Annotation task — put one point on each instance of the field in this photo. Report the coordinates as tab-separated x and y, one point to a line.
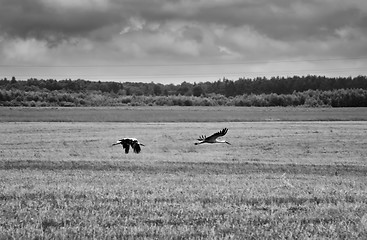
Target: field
278	179
179	114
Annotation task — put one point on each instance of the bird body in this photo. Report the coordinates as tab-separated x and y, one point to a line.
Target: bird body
127	142
213	138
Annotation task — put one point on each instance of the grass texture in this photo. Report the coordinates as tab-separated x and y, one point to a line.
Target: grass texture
179	114
277	180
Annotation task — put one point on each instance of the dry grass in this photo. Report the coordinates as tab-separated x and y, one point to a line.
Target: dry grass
179	114
318	143
277	180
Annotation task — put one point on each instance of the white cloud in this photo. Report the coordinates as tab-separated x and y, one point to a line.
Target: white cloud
134	24
80	4
25	51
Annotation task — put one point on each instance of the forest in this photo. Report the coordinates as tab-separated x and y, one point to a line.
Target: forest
308	91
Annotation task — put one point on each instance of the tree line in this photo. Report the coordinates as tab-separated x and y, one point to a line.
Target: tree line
310	91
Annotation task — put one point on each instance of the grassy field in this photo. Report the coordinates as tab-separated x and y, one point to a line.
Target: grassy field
179	114
296	180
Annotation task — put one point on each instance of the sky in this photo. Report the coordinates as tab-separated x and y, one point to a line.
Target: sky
171	41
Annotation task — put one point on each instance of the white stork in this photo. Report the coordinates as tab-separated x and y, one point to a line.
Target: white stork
213	138
127	142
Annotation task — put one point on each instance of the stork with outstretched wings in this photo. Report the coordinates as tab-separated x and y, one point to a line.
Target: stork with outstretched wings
213	138
129	142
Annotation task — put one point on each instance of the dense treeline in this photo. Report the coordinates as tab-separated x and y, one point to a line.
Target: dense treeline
309	98
278	85
290	91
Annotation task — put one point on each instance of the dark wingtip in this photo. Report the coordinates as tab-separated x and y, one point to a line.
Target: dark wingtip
136	147
201	138
224	131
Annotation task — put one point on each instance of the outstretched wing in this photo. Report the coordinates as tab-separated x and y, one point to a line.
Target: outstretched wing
217	134
127	142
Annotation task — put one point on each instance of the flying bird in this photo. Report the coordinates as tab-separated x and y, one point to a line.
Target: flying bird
213	138
127	142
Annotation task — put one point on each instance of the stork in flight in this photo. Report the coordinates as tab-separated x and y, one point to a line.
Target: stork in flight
213	138
127	142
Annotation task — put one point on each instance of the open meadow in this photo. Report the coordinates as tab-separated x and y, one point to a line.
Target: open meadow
277	180
179	114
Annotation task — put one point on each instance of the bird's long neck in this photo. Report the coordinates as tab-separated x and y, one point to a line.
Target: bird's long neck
221	141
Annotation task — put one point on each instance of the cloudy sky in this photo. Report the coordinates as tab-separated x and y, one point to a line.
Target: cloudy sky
171	41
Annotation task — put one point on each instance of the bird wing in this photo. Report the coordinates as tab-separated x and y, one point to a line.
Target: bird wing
135	145
217	134
126	146
202	138
127	142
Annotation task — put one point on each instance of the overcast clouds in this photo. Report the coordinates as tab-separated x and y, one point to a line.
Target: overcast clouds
184	40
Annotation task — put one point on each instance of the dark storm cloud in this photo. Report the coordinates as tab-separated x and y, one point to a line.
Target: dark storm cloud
183	29
282	19
36	19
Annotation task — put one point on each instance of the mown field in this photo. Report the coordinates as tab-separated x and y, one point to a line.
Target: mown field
277	179
179	114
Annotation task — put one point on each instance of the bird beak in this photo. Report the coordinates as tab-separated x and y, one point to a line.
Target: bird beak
141	144
228	143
